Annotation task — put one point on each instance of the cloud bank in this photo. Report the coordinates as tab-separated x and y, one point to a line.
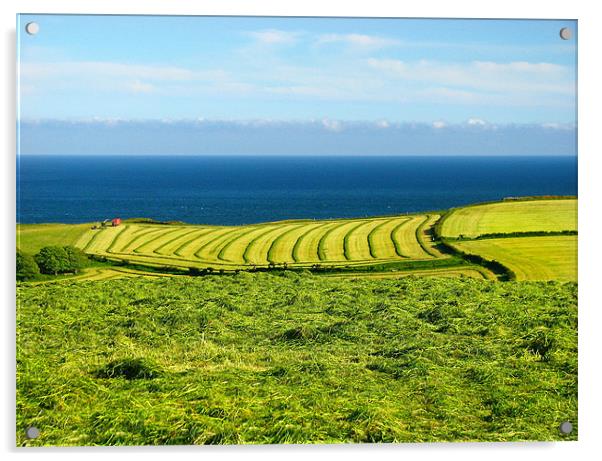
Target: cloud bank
315	137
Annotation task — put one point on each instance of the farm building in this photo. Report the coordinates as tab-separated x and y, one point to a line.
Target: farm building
116	221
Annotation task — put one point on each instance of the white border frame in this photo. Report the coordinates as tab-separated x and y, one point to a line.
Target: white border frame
590	148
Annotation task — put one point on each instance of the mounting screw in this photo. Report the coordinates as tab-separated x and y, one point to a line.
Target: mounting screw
32	28
566	33
32	432
566	428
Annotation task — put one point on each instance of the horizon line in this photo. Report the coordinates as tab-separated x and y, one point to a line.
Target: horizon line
292	155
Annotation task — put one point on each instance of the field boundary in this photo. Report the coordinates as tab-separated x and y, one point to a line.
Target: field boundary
502	272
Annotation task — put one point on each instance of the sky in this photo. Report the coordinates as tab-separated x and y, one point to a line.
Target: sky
349	82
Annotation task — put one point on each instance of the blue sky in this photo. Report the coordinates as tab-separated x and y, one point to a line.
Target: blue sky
381	72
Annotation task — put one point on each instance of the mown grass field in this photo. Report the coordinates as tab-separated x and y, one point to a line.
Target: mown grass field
511	216
530	258
260	358
102	273
294	243
503	232
32	237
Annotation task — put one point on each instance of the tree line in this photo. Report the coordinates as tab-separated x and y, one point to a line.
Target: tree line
50	260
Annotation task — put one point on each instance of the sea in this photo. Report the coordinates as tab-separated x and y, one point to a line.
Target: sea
246	189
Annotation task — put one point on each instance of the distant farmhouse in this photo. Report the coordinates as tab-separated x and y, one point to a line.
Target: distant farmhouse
114	222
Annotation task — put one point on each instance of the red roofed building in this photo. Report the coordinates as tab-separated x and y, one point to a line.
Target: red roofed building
116	221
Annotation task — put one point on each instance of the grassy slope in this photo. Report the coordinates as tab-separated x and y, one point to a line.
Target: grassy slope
256	358
32	237
530	258
117	272
349	242
513	216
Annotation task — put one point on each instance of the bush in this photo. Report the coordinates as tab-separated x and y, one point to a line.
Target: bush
59	260
76	258
52	260
27	267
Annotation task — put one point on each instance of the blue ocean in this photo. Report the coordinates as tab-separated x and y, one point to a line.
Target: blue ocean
250	189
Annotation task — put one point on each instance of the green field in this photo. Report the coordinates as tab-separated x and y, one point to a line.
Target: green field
530	258
32	237
376	336
103	273
524	236
294	243
117	272
511	216
389	247
260	358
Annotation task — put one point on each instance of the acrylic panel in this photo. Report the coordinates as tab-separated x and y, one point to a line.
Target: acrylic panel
270	230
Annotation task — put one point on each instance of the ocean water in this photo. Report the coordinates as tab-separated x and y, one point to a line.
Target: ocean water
245	189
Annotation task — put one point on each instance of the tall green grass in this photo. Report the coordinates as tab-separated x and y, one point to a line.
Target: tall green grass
260	358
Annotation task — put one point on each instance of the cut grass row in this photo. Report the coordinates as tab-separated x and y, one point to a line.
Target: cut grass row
102	273
337	242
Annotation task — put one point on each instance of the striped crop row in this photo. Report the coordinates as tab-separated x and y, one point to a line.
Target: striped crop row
300	243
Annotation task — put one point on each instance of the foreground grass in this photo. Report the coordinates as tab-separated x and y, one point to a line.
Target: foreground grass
467	271
258	358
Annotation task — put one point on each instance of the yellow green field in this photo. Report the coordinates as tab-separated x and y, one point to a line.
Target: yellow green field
32	237
103	273
409	240
294	243
530	258
511	216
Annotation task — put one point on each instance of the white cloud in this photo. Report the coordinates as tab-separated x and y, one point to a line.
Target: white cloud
383	124
332	125
110	76
439	124
358	40
346	77
141	87
476	122
299	90
83	69
454	95
274	36
105	68
518	66
482	75
558	126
